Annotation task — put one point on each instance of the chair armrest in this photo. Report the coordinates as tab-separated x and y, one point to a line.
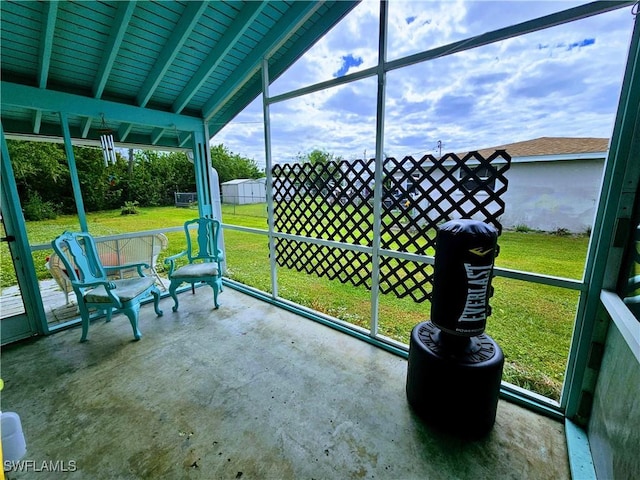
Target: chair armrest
171	261
109	286
96	283
139	266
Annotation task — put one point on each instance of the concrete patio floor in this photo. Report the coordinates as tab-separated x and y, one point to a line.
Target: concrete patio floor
247	391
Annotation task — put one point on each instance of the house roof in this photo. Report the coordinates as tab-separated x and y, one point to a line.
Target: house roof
551	146
155	71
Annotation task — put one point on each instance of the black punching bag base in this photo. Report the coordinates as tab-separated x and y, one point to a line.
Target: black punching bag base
453	383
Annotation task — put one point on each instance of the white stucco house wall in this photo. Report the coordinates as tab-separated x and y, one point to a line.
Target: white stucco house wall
554	182
244	190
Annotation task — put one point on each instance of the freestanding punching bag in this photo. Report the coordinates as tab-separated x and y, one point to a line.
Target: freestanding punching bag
454	368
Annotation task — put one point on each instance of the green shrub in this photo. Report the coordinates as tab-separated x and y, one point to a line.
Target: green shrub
561	232
37	209
129	208
521	227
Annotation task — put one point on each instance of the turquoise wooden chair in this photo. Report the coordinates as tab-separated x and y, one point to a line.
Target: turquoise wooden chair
203	256
95	290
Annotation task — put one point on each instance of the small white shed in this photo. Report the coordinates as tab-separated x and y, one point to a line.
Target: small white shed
244	190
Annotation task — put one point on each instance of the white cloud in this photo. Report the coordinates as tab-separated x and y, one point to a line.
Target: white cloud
563	81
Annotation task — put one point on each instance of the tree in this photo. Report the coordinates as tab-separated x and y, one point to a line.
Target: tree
40	171
323	173
157	175
148	177
231	166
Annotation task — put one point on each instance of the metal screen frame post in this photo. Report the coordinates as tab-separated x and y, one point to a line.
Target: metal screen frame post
268	166
379	167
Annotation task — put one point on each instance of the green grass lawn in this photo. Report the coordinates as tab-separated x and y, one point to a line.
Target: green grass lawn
532	323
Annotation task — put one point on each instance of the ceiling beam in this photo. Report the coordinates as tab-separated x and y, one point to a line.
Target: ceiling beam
20	130
156	135
185	141
175	42
37	121
112	45
49	15
299	13
228	41
13	94
85	127
124	131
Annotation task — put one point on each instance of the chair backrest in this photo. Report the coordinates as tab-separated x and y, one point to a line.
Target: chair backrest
78	252
202	244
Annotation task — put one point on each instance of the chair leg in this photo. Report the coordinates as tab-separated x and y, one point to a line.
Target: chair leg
132	314
156	299
216	285
216	305
172	292
84	313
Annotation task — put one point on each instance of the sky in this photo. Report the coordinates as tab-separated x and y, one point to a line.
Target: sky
560	82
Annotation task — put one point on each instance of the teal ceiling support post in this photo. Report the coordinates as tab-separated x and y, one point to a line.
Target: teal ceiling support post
14	222
207	183
604	257
73	171
201	163
268	167
379	170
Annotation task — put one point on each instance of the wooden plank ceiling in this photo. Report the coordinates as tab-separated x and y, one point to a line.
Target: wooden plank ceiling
153	70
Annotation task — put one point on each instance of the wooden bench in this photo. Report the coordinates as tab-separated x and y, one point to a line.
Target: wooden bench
114	251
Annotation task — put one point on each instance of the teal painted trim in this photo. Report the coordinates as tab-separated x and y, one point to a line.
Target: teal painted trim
73	171
601	245
38	99
579	452
14	223
112	45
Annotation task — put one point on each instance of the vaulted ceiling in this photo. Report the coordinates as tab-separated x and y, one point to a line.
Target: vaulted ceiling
151	71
